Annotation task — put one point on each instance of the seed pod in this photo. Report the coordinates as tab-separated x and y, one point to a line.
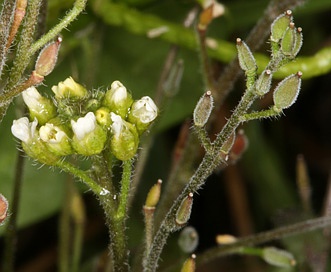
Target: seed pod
278	257
189	264
203	109
247	61
287	92
184	211
153	195
279	26
263	83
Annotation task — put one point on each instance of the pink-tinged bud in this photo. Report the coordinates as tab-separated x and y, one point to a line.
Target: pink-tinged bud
153	195
184	210
3	209
189	264
47	58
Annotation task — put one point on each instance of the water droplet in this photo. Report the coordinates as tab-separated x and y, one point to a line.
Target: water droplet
104	192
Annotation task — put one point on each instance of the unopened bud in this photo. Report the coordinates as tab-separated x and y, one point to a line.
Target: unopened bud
280	25
203	109
89	137
39	107
118	99
125	140
48	58
226	147
278	257
287	92
184	210
189	264
225	239
188	239
3	209
263	83
246	59
153	195
69	89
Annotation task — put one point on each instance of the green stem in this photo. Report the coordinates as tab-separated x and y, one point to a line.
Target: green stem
125	189
78	7
7	14
22	57
83	176
263	237
259	115
10	236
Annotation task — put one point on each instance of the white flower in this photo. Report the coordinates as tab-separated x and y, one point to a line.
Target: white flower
117	125
51	134
119	92
84	125
32	98
144	110
23	129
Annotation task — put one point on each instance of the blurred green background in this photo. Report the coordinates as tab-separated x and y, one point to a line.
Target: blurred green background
256	194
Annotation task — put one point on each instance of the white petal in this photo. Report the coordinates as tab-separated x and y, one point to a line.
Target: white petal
117	124
84	125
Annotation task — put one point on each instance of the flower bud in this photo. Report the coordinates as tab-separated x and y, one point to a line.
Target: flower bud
246	59
125	140
206	17
142	113
55	139
103	117
153	195
189	264
239	146
69	89
117	99
263	83
287	92
278	257
188	239
39	107
280	25
3	209
184	210
31	143
47	58
203	110
89	137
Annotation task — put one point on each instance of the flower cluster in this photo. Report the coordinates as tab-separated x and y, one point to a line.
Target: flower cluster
80	122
